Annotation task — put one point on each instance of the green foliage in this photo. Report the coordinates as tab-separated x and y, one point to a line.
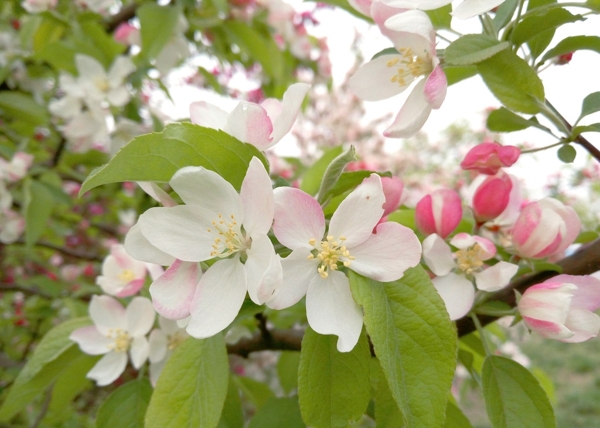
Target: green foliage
18	105
257	393
38	205
472	49
441	17
387	413
333	386
126	406
533	27
157	156
413	339
278	412
287	370
311	181
567	153
333	172
504	13
513	397
157	26
504	120
232	416
455	418
457	74
590	104
192	388
572	44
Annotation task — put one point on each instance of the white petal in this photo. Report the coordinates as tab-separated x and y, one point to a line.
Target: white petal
257	198
207	115
157	346
437	255
298	218
412	115
298	271
331	309
219	297
263	270
173	291
109	368
388	253
118	97
138	247
88	67
120	69
417	4
373	80
140	316
249	123
359	213
495	277
413	22
585	324
470	8
107	313
457	293
292	101
156	369
139	351
157	193
91	341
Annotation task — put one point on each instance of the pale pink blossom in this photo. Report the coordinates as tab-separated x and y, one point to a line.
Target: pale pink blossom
488	157
562	308
466	9
127	34
116	333
12	225
17	168
37	6
545	228
315	266
439	212
456	271
491	197
392	189
261	125
122	275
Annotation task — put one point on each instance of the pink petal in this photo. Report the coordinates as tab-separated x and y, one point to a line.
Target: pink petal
107	314
331	309
362	6
380	13
437	255
140	248
263	270
435	88
583	323
392	189
386	254
218	299
91	341
359	213
587	295
495	277
547	302
249	123
207	115
109	368
373	80
298	218
140	316
457	292
292	101
257	198
570	219
130	289
412	115
173	291
548	329
298	272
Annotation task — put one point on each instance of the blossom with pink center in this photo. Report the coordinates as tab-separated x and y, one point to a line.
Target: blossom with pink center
261	125
562	308
455	271
313	267
116	333
491	197
488	157
439	212
17	167
545	228
215	223
466	9
122	275
387	75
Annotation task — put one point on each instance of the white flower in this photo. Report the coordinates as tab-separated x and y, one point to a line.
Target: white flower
467	8
312	269
122	275
17	168
36	6
116	332
163	341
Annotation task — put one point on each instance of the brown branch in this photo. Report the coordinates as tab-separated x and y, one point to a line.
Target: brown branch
123	15
584	262
277	340
65	251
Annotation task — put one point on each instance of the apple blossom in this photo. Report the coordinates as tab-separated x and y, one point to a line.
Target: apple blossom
122	275
439	212
312	269
562	308
387	75
491	197
116	332
17	167
456	270
216	223
261	125
544	228
392	189
489	156
37	6
466	9
162	342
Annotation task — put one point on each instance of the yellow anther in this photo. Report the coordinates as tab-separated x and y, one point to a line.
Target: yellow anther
470	259
174	340
122	340
330	252
312	242
126	276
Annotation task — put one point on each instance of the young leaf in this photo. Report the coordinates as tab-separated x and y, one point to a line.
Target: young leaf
192	388
333	172
455	418
572	44
126	406
591	104
157	156
333	386
258	393
313	176
473	48
277	413
440	17
287	370
504	120
513	396
595	127
387	413
513	82
457	74
413	339
37	208
232	415
533	26
21	106
157	26
504	14
567	153
539	42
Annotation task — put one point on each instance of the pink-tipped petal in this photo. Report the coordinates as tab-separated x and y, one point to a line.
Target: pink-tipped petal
257	198
495	277
173	291
140	316
292	101
359	213
457	292
412	115
130	289
207	115
587	295
107	314
331	309
298	272
249	123
109	368
218	299
548	329
298	218
373	80
263	270
412	21
438	255
385	255
435	88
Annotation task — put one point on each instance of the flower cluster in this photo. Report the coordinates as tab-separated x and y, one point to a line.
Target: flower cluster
12	224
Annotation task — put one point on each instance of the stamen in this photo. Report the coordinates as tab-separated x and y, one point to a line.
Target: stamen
330	252
470	259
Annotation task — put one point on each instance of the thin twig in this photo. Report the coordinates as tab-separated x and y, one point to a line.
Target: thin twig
65	251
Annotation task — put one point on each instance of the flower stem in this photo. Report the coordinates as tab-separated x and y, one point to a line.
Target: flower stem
482	333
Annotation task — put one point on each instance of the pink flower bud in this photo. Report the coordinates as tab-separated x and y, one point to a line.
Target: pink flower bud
561	308
545	228
127	34
489	157
392	189
491	197
440	212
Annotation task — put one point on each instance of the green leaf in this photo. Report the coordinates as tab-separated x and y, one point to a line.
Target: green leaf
504	14
473	48
192	388
567	153
572	44
95	34
405	217
387	413
595	127
258	393
287	370
413	339
457	74
513	396
49	30
232	415
455	418
277	413
333	386
157	26
333	172
585	237
590	104
440	17
21	106
38	205
540	42
311	181
157	156
535	25
513	82
126	406
504	120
